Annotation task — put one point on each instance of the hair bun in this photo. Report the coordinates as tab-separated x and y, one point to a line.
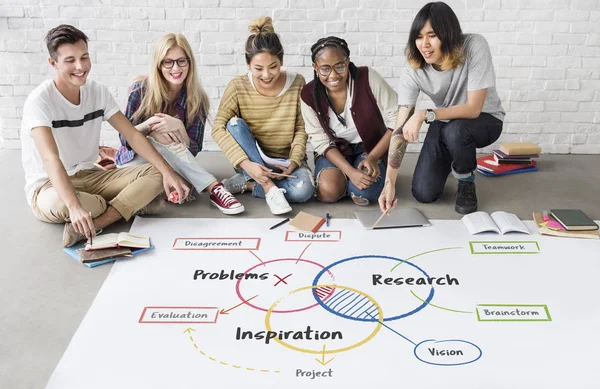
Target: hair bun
262	25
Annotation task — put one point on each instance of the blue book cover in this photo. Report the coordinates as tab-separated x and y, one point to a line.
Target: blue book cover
72	251
525	170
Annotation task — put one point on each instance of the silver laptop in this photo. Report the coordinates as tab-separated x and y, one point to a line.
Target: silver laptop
397	218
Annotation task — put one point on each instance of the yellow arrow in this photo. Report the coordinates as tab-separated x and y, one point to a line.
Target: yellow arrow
189	330
322	360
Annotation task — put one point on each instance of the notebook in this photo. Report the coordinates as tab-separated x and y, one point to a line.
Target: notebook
398	218
307	222
573	219
544	230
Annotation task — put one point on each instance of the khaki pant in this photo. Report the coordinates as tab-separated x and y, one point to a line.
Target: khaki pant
127	190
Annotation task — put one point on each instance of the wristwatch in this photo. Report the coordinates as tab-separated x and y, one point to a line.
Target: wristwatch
429	116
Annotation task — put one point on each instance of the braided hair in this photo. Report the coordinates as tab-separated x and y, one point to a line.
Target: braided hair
320	90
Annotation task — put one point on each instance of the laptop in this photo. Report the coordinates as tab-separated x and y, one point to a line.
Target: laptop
398	218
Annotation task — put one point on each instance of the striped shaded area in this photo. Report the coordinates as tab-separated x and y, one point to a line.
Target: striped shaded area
324	292
352	304
276	122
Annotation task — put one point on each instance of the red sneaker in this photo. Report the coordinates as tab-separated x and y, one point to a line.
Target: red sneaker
222	199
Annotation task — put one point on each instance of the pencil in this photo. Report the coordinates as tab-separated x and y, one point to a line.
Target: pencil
91	240
381	217
283	175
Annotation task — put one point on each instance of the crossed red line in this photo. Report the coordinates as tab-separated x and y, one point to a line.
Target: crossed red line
281	279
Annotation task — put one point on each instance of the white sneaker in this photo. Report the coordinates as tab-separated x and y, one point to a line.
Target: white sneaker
277	202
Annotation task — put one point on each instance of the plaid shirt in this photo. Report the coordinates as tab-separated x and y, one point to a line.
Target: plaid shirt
195	129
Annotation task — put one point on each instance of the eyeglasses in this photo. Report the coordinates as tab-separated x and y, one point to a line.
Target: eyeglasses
339	68
169	63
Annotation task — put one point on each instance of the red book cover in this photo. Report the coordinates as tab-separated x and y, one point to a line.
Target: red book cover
318	225
489	163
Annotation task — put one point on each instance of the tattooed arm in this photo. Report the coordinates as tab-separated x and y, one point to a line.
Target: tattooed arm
396	151
398	143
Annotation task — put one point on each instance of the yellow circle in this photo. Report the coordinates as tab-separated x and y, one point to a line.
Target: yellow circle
334	351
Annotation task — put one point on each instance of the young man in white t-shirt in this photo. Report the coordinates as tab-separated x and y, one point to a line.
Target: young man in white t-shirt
60	136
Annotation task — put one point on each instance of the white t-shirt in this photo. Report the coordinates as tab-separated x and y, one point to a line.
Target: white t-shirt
348	132
76	128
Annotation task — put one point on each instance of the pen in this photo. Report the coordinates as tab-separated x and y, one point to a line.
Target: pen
91	241
327	219
280	223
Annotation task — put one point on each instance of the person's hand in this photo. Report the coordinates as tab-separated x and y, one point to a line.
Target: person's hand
148	123
161	138
174	136
173	181
258	172
361	179
82	221
164	123
411	129
387	199
370	166
285	170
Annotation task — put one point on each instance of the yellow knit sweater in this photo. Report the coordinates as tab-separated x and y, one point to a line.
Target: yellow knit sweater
276	122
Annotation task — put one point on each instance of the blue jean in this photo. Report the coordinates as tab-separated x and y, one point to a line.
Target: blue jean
184	163
451	147
372	192
298	190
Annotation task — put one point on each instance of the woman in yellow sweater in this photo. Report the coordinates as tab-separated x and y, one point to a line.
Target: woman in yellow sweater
259	125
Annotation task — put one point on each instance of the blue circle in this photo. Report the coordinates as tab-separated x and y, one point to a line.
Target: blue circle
320	302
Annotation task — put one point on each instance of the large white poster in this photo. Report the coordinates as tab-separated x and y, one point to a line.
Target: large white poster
228	303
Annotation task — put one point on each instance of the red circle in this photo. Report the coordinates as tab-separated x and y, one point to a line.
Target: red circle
237	285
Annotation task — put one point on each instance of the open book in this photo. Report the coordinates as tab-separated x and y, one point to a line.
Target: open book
499	221
122	239
77	252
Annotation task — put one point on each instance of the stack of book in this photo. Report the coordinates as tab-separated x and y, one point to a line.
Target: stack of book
108	248
510	158
568	223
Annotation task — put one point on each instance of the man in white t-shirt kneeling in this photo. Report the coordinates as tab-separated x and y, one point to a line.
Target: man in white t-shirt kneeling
60	136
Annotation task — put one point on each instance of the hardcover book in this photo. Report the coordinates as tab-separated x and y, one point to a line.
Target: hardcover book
574	219
520	148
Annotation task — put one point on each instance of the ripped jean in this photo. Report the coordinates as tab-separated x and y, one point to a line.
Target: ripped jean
298	190
372	192
182	161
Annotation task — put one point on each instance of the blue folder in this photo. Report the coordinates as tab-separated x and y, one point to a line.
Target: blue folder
525	170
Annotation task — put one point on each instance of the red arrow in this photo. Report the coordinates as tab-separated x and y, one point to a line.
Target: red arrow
226	311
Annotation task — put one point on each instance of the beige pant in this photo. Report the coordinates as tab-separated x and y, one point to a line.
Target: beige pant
127	190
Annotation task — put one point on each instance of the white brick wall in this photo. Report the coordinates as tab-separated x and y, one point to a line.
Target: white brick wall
546	53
